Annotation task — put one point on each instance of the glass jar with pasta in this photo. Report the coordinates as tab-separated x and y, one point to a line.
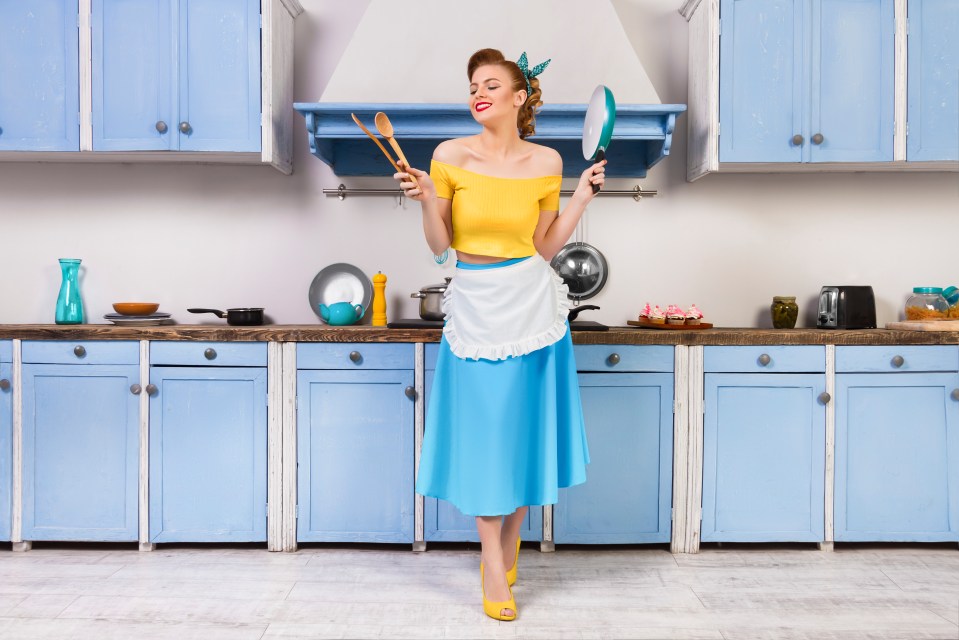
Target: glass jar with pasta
926	303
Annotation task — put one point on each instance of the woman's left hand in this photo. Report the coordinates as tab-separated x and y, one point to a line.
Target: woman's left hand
595	174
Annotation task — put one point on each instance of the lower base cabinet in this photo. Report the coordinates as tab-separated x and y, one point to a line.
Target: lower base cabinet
897	444
208	442
355	405
6	438
80	441
627	396
764	445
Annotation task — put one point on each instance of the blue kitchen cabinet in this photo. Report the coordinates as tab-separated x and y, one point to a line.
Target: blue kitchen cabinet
6	437
764	444
176	75
80	440
933	80
355	405
39	76
897	444
627	394
208	442
806	80
443	522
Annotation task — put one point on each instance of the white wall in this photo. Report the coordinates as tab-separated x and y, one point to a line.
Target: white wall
248	236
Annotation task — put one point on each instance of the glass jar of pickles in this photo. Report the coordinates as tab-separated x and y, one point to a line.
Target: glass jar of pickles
926	303
785	311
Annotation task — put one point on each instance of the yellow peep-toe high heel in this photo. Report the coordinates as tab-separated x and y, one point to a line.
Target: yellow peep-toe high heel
511	574
495	609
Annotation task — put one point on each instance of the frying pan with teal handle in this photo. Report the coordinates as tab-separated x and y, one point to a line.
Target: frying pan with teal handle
598	125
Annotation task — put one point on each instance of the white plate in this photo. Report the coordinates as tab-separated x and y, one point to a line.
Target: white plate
340	282
130	321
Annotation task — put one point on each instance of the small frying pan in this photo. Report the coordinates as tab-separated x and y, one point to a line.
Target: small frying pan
598	125
243	317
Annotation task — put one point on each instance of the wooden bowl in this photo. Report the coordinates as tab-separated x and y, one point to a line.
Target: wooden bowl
135	308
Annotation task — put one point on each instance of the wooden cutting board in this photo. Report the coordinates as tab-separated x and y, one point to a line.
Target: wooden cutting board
924	325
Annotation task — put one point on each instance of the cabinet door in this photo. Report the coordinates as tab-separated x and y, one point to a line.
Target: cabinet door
443	522
134	73
219	67
627	497
39	76
761	80
933	80
6	448
897	457
763	457
80	452
355	456
208	454
853	49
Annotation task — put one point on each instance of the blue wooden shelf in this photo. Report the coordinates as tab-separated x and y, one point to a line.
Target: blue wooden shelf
642	136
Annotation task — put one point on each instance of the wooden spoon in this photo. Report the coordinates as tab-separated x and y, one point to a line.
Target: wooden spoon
378	143
385	127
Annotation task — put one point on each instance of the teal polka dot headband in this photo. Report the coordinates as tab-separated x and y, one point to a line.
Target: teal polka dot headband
523	65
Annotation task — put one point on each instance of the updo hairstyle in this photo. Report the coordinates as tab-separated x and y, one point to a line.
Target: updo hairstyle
526	118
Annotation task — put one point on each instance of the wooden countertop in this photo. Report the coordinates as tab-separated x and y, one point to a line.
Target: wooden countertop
616	335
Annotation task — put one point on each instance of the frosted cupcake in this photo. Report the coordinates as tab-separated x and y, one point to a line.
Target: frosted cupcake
693	315
657	315
675	315
644	314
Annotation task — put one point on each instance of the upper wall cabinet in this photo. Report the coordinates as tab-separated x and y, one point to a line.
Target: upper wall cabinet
176	75
933	80
208	80
815	85
39	99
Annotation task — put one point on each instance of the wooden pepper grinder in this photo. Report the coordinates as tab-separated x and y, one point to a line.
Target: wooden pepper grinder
379	299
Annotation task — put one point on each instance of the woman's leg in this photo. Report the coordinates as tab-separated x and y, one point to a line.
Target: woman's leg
511	527
490	530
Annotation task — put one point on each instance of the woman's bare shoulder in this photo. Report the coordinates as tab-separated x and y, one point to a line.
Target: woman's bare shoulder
453	152
547	160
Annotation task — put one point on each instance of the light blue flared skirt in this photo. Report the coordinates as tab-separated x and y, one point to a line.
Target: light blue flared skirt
503	434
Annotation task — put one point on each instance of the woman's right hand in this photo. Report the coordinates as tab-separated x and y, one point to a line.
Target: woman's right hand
424	191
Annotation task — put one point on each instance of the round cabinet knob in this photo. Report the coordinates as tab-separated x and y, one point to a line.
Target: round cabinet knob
151	389
161	126
79	351
817	138
613	359
954	395
764	359
797	140
824	397
210	354
898	361
411	393
135	389
4	384
185	127
355	357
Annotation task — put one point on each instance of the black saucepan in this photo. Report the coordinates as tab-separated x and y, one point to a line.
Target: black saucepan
240	317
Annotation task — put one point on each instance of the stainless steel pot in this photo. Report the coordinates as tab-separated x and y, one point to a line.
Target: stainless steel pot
431	300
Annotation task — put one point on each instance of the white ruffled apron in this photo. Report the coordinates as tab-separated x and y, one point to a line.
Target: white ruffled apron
503	312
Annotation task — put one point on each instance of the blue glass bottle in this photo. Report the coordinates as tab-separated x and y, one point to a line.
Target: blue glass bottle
69	305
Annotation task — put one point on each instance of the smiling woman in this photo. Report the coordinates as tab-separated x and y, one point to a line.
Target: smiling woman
504	425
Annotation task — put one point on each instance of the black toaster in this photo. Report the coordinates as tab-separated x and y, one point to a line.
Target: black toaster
847	307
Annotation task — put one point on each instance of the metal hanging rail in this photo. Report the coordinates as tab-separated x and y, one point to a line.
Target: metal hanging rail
637	193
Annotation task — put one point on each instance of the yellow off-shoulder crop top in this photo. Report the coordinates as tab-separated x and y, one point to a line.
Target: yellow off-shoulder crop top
494	216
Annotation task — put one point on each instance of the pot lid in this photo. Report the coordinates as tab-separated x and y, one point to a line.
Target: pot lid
583	268
436	288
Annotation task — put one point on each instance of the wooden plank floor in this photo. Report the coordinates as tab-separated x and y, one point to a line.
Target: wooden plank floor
743	593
